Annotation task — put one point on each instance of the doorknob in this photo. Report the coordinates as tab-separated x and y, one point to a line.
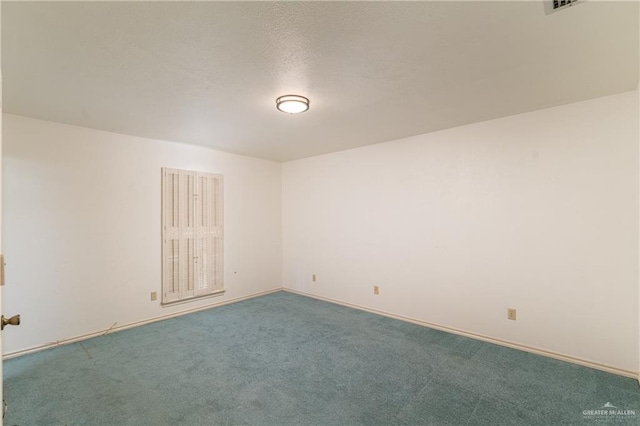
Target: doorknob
14	320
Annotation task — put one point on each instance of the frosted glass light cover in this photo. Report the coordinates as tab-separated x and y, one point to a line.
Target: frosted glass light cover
292	104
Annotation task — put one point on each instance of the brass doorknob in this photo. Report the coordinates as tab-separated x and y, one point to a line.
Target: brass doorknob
14	320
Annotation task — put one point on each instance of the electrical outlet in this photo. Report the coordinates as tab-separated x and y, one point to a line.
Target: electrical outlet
511	314
313	278
376	289
154	295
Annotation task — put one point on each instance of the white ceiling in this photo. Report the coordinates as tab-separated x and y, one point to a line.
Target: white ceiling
209	73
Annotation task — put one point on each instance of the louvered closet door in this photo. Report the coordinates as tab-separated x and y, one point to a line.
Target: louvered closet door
208	234
171	235
192	234
188	233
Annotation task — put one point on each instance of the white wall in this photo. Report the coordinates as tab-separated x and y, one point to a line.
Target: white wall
537	211
82	227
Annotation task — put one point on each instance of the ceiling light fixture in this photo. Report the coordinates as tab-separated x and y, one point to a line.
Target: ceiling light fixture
292	104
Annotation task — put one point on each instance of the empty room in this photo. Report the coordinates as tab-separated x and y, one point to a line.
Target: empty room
320	213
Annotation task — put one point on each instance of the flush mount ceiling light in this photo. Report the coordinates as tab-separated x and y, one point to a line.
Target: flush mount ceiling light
292	104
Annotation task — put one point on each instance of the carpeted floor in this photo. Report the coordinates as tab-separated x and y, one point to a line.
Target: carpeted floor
284	359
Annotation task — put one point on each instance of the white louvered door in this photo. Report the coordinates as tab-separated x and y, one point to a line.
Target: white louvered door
209	234
192	235
188	233
171	235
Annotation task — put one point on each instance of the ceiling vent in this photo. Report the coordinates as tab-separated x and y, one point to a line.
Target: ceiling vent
551	6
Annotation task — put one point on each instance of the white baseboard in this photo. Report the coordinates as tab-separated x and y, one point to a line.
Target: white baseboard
133	324
542	352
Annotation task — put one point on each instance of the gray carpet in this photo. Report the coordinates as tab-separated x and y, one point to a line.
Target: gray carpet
284	359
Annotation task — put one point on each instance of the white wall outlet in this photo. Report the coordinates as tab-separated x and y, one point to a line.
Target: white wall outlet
154	295
314	278
511	314
376	289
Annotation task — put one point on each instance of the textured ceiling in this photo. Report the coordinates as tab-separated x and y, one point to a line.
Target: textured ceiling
209	73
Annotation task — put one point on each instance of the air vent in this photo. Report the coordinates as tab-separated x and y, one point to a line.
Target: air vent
551	6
